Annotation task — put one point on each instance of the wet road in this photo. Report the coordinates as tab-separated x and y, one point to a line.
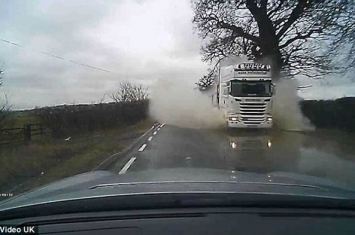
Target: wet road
326	154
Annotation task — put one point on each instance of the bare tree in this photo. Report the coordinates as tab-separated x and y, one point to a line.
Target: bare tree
4	105
128	92
343	35
1	74
288	34
206	81
102	100
4	111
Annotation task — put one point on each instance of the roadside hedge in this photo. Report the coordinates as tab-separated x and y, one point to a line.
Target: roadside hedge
335	114
70	119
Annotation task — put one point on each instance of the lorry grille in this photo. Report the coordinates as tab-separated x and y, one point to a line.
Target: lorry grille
253	120
252	113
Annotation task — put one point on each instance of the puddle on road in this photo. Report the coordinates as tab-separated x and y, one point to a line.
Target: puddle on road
326	165
264	151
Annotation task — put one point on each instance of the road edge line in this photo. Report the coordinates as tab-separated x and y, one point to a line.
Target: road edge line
112	158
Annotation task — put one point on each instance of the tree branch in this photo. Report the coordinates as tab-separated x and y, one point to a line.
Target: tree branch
294	16
300	37
276	9
238	31
263	5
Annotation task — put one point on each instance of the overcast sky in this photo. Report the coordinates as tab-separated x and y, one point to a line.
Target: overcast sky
140	41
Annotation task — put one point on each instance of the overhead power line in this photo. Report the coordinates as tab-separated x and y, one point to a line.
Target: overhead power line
59	57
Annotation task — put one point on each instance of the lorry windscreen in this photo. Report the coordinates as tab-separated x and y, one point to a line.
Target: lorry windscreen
244	88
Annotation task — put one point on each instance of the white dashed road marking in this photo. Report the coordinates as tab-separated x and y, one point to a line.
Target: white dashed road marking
128	164
142	147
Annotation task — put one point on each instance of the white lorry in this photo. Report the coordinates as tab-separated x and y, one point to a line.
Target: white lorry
244	93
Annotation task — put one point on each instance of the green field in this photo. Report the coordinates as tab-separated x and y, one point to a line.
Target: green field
45	159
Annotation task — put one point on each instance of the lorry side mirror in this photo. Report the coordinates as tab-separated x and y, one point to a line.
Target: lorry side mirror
226	90
273	90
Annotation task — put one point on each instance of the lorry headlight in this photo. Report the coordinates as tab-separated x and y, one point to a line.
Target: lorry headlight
233	145
269	119
233	119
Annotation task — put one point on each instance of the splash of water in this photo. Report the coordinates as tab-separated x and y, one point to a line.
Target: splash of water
177	103
286	110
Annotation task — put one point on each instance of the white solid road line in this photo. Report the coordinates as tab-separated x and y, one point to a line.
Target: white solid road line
142	147
128	164
154	133
150	138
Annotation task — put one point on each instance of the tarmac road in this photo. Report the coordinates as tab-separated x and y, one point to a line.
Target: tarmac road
326	154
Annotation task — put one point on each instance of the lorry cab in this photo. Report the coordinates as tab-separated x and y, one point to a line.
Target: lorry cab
245	94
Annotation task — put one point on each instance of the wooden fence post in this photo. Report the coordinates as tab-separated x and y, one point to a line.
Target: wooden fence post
27	132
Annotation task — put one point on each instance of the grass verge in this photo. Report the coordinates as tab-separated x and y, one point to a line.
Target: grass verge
45	160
